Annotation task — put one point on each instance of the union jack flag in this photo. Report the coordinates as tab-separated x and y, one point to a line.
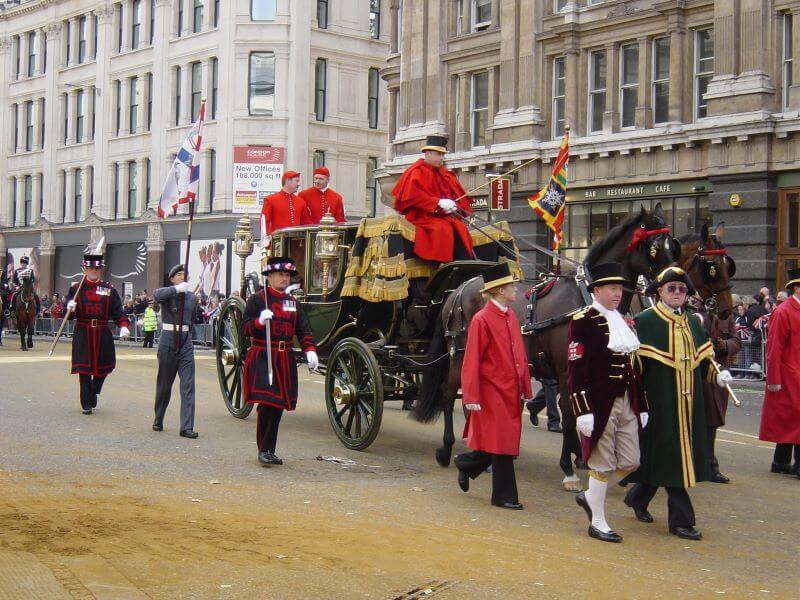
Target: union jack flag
549	202
183	179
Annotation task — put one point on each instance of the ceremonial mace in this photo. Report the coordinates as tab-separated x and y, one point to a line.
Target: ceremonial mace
266	239
734	399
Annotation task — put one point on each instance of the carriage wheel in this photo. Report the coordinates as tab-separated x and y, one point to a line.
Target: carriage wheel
231	350
354	393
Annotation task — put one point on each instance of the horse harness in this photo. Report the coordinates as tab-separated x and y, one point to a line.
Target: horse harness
711	270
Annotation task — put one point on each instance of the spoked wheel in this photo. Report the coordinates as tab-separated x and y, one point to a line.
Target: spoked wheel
354	393
231	351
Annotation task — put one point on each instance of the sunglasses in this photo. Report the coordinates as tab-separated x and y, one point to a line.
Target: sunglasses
677	289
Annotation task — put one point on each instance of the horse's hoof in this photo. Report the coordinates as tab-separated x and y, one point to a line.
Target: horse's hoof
443	457
572	484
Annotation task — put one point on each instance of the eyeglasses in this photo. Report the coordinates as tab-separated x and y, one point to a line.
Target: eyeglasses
675	288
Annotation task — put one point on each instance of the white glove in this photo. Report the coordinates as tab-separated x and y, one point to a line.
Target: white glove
724	378
644	418
313	360
72	305
124	332
586	424
473	407
448	206
774	387
183	287
265	316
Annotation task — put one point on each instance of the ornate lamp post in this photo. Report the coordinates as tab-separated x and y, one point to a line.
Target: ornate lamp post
243	247
326	247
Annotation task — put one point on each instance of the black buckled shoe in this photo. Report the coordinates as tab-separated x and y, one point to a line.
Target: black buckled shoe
604	536
189	433
783	468
509	505
87	411
158	427
264	459
687	533
531	411
555	428
463	481
642	514
717	477
274	459
795	470
581	501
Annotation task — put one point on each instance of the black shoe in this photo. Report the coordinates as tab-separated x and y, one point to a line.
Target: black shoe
87	411
795	470
158	427
555	428
265	459
534	416
580	500
604	536
408	404
189	433
463	481
687	533
718	477
780	468
509	505
641	513
274	459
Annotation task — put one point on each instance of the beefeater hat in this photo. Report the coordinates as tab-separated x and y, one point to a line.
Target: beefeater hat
794	279
605	274
278	264
496	276
435	142
668	275
93	254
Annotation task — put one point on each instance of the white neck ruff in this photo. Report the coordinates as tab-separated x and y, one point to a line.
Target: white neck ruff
621	337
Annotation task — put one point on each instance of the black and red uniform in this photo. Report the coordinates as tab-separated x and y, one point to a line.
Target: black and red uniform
288	321
93	354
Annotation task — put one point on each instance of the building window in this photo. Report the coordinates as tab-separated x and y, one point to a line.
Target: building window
197	16
559	96
152	20
703	69
263	10
372	100
68	49
28	200
214	86
660	80
481	15
44	52
216	13
320	86
597	90
149	93
479	108
177	96
147	177
375	19
372	185
787	57
136	24
118	121
319	159
629	84
262	83
42	116
83	33
79	115
77	198
212	179
559	5
197	90
66	116
32	53
29	125
15	130
180	18
94	110
120	33
17	55
322	14
133	104
131	189
116	190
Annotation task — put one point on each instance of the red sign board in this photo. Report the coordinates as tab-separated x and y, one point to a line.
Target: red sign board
500	195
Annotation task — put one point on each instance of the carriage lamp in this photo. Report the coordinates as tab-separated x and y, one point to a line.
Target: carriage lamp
326	247
243	247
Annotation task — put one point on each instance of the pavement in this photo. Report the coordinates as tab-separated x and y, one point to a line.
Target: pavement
102	507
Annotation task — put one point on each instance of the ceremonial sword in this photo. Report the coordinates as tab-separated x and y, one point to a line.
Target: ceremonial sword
734	399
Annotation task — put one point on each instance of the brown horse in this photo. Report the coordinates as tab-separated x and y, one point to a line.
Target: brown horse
705	260
642	245
25	312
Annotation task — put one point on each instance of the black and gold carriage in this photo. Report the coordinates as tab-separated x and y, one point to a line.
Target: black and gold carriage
372	305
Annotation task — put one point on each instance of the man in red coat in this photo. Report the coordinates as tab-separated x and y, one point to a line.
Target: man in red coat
780	417
430	197
321	199
495	381
285	208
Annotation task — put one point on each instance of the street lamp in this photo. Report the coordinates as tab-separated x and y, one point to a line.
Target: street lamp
326	247
243	247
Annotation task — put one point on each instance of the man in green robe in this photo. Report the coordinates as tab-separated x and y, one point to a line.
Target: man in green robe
675	355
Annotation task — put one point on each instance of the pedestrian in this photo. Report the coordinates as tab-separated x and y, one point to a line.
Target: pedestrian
175	350
495	382
606	393
322	199
780	416
547	396
676	355
276	391
149	324
97	303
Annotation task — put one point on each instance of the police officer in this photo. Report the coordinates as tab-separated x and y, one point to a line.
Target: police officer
22	273
175	350
149	324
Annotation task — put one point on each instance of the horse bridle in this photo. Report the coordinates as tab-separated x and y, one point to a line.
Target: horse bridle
643	235
711	270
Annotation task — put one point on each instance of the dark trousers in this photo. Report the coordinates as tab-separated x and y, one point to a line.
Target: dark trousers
149	336
547	396
504	481
679	505
783	454
170	364
90	388
269	419
712	440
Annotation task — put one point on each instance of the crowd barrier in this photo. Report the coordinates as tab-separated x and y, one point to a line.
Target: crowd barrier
751	362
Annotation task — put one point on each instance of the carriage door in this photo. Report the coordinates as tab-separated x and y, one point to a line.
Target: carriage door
788	233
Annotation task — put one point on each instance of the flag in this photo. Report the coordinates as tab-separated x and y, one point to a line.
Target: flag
549	202
183	178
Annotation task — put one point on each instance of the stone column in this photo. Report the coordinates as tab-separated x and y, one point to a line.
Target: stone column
573	92
90	27
155	256
207	15
40	46
186	95
298	98
47	263
85	207
51	123
141	186
69	186
204	204
644	109
462	141
104	98
20	127
611	118
19	201
794	90
37	129
127	21
141	107
144	30
124	98
205	84
72	107
677	66
122	182
74	37
113	180
160	89
187	17
23	54
36	192
58	205
509	56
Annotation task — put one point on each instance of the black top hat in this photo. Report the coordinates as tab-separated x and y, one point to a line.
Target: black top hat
666	276
794	279
497	275
605	274
435	142
277	264
176	269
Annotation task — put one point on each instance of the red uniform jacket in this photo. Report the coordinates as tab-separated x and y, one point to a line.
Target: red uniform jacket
319	203
495	375
780	416
416	196
288	321
284	210
597	376
92	344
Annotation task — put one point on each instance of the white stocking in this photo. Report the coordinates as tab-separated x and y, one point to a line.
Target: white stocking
596	498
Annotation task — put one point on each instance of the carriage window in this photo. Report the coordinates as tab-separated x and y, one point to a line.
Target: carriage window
296	249
599	220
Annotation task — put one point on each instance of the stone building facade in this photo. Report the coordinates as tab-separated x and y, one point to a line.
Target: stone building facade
98	95
691	103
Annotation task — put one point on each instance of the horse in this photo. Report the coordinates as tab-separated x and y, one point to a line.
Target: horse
3	302
641	243
710	268
25	311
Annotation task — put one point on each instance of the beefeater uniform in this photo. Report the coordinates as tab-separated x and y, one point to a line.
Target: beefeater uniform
495	375
289	321
780	416
175	352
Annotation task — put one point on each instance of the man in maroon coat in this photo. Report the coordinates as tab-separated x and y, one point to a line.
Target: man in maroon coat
495	381
780	417
430	197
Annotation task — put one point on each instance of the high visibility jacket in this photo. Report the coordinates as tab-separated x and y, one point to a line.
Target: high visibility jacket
150	319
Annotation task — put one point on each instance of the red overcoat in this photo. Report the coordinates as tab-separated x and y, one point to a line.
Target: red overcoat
495	375
780	415
416	196
284	210
319	203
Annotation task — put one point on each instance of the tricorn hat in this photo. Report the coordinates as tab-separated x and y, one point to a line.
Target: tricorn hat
176	269
794	279
605	274
435	142
668	275
496	276
93	254
277	264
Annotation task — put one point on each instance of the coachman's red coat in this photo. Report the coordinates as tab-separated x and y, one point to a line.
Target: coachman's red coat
92	344
284	210
495	375
319	203
780	417
416	196
288	321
